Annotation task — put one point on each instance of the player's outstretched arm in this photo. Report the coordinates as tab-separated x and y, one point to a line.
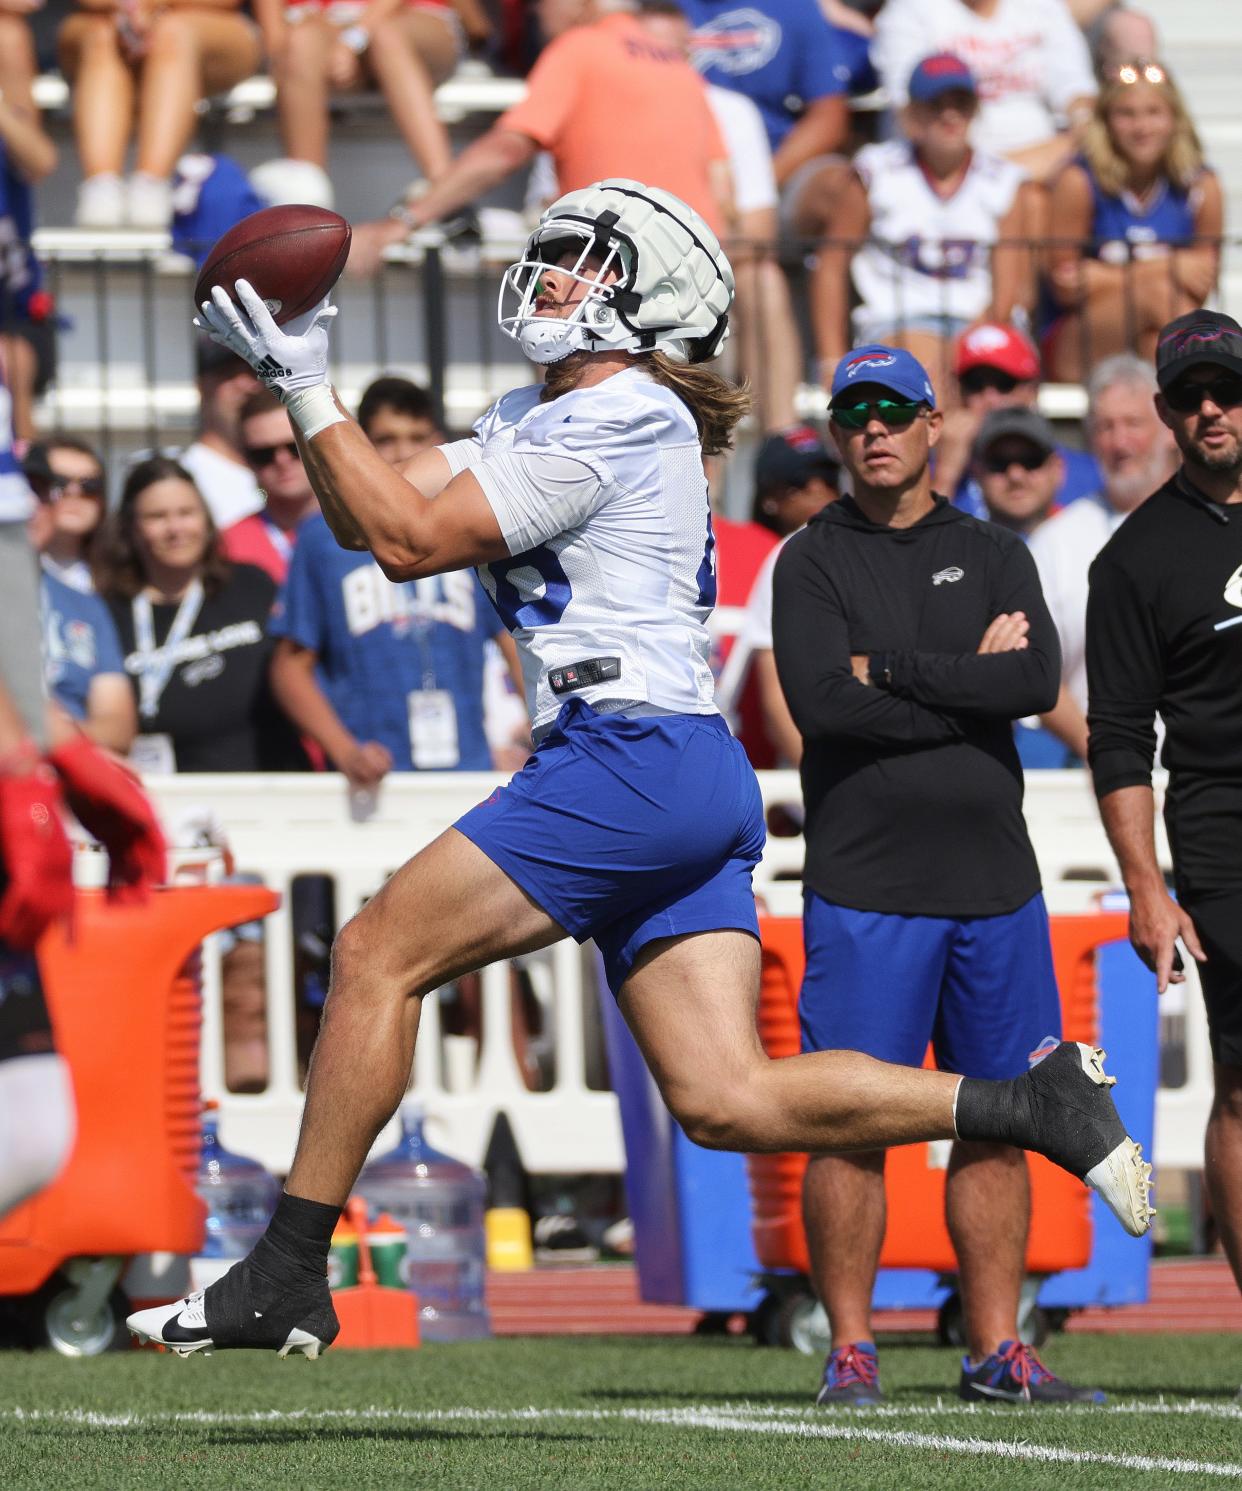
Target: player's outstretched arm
365	502
410	533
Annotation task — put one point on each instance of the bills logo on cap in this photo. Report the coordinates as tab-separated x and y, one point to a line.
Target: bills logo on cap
874	360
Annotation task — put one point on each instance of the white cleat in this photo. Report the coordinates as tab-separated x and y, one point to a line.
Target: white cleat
1122	1177
182	1328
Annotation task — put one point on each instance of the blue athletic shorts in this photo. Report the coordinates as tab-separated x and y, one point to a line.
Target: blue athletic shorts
981	990
628	829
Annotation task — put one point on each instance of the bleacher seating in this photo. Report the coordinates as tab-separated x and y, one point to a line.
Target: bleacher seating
126	364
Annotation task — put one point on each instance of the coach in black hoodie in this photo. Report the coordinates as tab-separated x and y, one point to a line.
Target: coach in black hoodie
908	638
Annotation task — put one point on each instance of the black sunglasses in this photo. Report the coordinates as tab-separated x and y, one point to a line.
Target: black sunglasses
893	413
1030	459
53	488
264	455
975	380
1187	397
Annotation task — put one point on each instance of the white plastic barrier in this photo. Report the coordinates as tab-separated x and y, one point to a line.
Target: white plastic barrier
280	827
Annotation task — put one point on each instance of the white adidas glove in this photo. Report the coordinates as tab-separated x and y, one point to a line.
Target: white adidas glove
289	359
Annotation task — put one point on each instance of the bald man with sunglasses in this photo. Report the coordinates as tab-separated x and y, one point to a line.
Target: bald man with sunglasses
908	638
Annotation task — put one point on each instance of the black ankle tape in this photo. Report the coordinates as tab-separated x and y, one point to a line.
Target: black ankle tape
245	1308
301	1230
985	1110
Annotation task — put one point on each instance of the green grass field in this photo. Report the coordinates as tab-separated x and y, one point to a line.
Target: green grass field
610	1412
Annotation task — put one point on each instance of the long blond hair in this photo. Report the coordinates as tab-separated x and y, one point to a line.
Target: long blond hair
716	405
1183	156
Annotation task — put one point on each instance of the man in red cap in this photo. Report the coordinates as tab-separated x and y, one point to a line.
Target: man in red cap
997	368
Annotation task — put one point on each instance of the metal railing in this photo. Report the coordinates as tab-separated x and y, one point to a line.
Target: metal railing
125	349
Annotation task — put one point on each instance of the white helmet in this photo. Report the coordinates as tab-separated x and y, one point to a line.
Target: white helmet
659	277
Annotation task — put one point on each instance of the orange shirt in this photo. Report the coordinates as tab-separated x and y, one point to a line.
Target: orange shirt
608	100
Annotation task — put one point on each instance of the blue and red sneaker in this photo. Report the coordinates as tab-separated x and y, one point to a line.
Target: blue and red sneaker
1014	1374
851	1378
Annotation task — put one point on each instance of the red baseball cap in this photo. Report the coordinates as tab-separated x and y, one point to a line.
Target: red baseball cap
991	345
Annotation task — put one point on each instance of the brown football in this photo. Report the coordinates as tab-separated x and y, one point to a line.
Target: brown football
291	255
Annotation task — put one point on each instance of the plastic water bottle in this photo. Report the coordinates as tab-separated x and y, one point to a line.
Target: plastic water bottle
240	1196
439	1202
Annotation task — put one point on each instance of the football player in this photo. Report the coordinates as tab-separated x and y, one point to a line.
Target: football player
638	820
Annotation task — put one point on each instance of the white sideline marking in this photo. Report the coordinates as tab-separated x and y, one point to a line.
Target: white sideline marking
739	1418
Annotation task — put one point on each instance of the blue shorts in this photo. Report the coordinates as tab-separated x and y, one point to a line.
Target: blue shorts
981	990
628	829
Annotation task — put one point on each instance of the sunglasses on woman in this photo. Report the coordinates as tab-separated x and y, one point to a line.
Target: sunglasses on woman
895	413
53	488
1187	397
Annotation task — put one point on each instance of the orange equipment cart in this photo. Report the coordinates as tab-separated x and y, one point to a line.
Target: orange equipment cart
125	1001
917	1237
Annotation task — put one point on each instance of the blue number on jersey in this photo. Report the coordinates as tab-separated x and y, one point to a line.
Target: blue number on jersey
531	589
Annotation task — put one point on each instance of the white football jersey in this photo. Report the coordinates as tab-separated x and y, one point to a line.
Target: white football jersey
601	497
927	255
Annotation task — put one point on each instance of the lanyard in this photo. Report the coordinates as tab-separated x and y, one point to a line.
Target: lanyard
280	541
158	665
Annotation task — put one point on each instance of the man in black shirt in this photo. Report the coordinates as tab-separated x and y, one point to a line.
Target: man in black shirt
1164	636
908	638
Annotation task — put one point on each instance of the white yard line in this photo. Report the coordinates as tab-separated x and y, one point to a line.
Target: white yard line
740	1418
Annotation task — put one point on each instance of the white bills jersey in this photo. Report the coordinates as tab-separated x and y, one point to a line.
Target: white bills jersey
602	501
926	255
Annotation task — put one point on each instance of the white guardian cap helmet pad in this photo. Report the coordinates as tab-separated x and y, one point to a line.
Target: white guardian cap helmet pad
671	284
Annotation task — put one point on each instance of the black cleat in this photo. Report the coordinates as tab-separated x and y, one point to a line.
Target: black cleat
1072	1119
224	1316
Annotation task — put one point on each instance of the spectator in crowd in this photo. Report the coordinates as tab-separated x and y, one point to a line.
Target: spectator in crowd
67	479
399	418
1030	61
927	225
997	367
1138	223
604	99
785	56
795	478
1017	469
214	458
193	630
853	25
82	663
740	549
921	884
1117	34
27	156
383	676
266	538
1163	641
766	335
140	69
404	50
1136	455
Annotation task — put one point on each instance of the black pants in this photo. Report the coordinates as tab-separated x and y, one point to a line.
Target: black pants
1218	919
